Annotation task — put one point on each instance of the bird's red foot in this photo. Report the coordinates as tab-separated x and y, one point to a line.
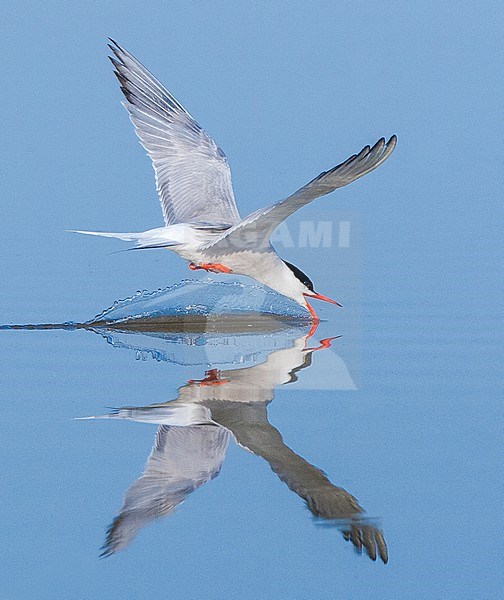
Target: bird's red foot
211	267
212	377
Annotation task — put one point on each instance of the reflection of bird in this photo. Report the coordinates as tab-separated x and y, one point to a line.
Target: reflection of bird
202	223
182	459
192	439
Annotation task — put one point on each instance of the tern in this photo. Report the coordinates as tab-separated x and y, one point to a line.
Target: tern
193	181
193	436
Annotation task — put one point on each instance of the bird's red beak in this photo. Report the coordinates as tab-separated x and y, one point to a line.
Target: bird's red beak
324	298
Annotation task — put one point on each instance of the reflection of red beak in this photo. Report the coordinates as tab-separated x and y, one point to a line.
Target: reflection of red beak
324	298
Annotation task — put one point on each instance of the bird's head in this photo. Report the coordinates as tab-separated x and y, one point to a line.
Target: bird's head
308	285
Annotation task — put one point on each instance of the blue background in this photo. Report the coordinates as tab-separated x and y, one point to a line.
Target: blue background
287	89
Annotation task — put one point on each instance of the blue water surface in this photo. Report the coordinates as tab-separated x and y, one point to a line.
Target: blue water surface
390	430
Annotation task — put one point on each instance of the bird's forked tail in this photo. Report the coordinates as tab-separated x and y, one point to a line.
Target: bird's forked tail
143	241
126	237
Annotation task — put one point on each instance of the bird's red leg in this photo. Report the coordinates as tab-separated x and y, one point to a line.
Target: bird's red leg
212	267
212	377
216	268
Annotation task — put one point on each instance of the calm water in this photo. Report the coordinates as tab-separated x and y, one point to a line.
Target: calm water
231	463
236	465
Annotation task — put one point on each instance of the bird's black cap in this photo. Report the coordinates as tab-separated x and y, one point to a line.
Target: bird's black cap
303	278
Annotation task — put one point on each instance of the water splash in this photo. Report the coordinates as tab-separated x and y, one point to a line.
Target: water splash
200	306
209	323
219	350
204	298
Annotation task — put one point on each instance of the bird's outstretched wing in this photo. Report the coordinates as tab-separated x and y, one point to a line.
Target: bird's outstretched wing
251	429
193	179
182	459
255	230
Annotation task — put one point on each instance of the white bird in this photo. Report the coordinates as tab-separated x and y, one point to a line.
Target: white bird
193	180
192	440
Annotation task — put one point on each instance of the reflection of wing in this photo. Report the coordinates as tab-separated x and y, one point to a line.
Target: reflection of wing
192	441
192	174
251	429
182	459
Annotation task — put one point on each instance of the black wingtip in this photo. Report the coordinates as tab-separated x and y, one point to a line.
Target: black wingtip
116	51
116	48
118	66
391	144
